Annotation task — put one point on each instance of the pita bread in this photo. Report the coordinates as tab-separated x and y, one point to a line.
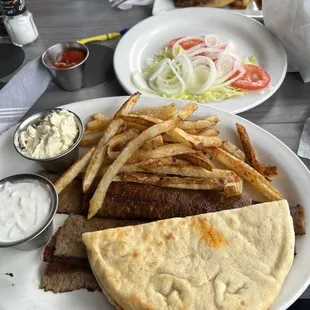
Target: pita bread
234	259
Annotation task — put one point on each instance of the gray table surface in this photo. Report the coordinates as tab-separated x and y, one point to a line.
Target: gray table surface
283	115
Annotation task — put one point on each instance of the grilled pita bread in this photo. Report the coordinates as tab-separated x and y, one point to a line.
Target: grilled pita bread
234	259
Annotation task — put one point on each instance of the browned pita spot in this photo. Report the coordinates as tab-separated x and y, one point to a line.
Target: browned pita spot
170	236
208	234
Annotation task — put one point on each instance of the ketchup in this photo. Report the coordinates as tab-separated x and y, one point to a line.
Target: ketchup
68	59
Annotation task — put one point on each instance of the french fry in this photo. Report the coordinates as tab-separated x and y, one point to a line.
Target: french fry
194	171
162	151
73	171
97	125
128	105
90	138
144	120
137	178
177	135
101	149
209	132
200	124
162	112
232	189
153	143
199	142
173	137
251	155
101	117
130	125
198	159
191	183
246	172
99	154
120	138
156	162
233	150
132	147
175	182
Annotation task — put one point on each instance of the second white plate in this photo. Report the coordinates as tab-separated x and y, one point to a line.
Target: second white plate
251	37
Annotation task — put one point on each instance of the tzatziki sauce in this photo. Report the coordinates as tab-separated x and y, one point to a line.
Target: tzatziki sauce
24	208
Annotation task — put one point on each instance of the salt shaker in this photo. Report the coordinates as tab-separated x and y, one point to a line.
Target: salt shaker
19	22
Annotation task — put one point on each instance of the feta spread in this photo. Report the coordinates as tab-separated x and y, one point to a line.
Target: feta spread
54	135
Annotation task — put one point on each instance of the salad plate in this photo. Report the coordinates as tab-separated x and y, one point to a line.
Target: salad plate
247	36
252	11
21	272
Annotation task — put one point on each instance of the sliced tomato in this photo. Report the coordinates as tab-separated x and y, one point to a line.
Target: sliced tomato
255	78
186	44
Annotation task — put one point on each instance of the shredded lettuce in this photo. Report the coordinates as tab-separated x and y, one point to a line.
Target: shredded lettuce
250	60
211	95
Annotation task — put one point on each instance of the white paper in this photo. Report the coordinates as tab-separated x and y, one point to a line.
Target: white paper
289	20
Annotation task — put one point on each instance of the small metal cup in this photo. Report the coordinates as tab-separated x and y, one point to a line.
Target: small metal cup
60	162
42	235
69	79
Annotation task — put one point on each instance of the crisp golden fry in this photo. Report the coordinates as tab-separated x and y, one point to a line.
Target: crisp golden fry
97	125
232	189
118	139
130	125
90	138
233	150
73	171
153	143
132	147
199	142
162	112
175	182
198	159
192	183
162	151
101	117
201	124
210	132
173	137
137	178
128	105
156	162
144	120
194	171
101	149
100	153
251	155
246	172
177	135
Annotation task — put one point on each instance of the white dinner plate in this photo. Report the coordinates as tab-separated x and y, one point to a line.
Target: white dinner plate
22	290
251	38
162	6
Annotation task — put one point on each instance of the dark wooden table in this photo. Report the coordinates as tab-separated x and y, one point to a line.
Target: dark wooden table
283	114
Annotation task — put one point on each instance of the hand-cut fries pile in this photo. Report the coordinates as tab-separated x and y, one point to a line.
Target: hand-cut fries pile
158	146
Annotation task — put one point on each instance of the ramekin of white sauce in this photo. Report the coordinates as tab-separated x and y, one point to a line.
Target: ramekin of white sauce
28	205
51	138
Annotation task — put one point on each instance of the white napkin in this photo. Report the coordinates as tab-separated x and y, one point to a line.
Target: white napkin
304	143
21	92
128	4
289	20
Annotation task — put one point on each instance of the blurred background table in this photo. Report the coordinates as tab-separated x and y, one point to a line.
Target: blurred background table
283	115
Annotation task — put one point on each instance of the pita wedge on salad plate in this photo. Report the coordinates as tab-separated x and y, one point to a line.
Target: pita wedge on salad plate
235	259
